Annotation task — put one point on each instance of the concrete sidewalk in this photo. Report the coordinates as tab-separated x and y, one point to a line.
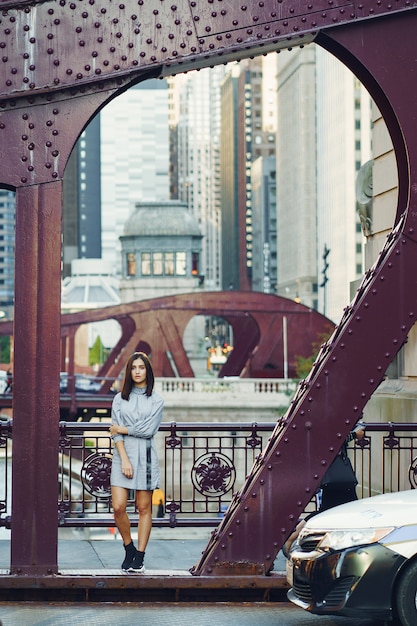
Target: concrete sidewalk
169	550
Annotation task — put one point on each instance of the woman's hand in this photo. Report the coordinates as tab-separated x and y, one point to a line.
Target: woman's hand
127	469
114	430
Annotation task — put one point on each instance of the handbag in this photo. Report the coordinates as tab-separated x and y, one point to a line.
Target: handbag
340	472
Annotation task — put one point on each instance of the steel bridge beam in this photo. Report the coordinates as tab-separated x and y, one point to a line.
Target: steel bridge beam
60	63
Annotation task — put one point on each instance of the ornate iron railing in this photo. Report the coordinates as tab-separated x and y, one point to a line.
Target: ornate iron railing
202	465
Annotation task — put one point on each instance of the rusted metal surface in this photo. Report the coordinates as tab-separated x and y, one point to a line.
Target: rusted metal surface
257	320
60	62
168	586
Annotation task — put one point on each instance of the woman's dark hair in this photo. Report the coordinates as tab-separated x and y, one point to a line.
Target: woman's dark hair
128	382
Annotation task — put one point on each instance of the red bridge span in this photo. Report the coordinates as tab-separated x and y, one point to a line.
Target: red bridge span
60	63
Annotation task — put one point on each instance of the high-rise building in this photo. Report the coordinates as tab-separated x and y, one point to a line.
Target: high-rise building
7	247
324	121
264	209
134	158
229	180
81	218
254	141
296	176
196	97
248	132
344	126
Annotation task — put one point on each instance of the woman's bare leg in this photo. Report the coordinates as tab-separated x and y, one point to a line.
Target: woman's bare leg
144	504
119	497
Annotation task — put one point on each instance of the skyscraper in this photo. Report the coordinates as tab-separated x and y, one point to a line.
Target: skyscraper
198	161
324	121
134	158
81	212
7	225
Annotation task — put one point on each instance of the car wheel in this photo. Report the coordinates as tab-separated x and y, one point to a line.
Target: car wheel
406	596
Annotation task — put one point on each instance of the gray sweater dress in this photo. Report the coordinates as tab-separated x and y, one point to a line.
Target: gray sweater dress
142	416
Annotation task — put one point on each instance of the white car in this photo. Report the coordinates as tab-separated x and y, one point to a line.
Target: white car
359	560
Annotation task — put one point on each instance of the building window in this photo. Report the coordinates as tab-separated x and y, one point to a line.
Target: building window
157	264
169	264
180	264
146	264
131	264
194	263
165	263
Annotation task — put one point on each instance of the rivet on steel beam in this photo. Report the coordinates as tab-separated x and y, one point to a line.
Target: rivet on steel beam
237	522
411	314
246	508
299	503
278	453
283	530
342	345
326	372
387	355
308	425
223	547
371	381
374	292
254	494
307	490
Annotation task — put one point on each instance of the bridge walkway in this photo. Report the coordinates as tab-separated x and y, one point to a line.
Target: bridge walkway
89	571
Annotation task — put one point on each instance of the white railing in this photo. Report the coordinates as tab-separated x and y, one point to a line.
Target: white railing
231	391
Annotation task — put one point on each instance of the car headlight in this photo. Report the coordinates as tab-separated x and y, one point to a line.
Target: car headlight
341	539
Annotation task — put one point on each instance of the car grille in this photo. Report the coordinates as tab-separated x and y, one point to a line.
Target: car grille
310	542
335	598
303	592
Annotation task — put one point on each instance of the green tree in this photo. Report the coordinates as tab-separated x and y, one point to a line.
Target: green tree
96	354
303	364
5	349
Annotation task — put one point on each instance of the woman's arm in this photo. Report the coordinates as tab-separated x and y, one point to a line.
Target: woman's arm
115	429
127	469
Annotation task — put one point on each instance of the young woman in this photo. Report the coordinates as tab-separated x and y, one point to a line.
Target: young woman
136	417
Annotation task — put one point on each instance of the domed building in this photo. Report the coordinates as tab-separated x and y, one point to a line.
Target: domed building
161	249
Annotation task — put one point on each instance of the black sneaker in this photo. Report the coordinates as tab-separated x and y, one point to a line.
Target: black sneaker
130	555
137	566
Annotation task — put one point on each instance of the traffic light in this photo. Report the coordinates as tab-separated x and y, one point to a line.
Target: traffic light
325	266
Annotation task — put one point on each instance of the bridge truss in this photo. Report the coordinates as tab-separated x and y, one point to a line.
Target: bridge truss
61	61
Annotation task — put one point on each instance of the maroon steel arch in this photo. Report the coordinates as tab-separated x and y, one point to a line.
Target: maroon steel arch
63	60
268	331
